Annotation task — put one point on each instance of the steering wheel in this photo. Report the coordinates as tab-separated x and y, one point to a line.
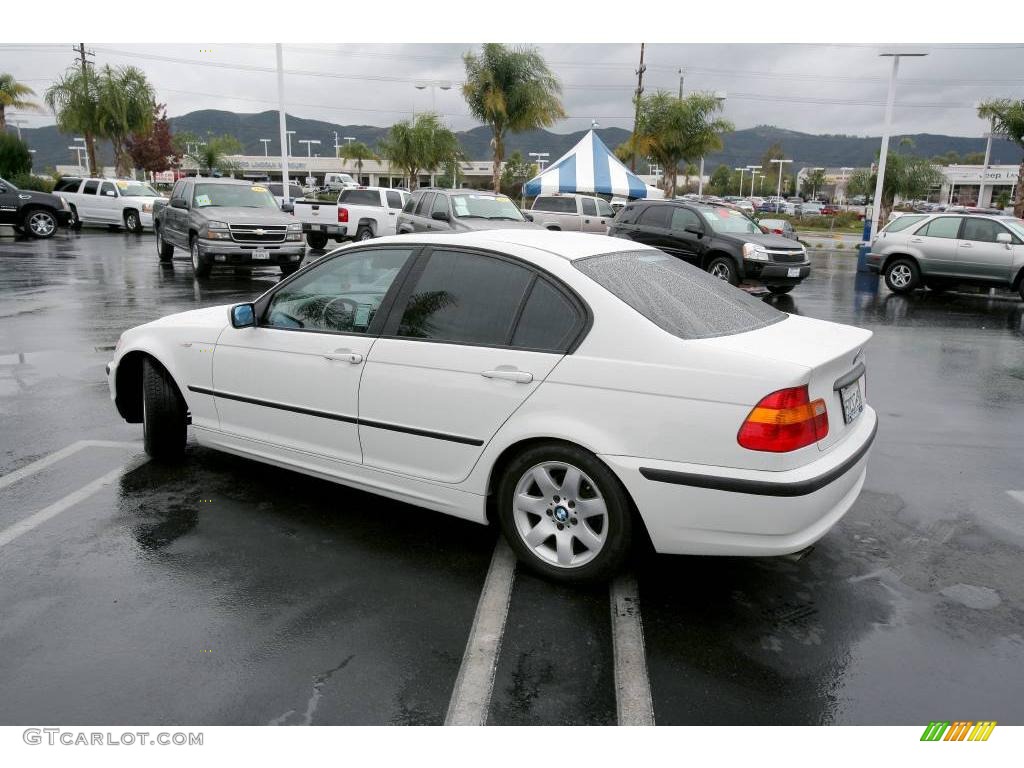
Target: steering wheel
350	307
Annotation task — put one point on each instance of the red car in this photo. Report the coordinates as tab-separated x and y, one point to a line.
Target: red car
829	210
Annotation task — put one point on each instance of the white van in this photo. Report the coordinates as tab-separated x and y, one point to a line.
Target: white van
339	181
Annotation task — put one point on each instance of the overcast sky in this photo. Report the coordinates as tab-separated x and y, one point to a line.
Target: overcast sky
815	89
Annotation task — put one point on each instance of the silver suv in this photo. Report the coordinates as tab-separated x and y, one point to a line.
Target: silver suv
459	210
940	250
572	213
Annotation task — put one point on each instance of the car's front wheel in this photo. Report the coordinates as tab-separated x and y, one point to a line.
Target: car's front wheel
40	223
200	265
566	515
132	222
163	414
724	268
902	275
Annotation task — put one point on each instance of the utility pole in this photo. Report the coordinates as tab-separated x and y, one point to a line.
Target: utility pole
90	140
636	114
282	124
681	73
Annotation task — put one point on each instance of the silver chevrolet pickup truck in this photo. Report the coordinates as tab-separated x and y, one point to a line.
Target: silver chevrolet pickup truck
227	222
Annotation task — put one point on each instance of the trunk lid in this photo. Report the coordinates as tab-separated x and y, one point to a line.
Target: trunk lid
830	352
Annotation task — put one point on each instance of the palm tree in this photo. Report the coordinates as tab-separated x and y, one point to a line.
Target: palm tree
691	169
671	130
357	151
125	107
15	95
212	155
510	89
1007	119
74	99
422	144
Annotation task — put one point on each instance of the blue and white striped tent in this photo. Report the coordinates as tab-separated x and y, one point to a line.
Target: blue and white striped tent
588	168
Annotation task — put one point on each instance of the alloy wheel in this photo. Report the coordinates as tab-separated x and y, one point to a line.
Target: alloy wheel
560	514
900	275
42	224
721	271
132	222
195	255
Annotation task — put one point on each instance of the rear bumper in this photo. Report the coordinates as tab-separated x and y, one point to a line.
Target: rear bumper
702	510
331	230
874	261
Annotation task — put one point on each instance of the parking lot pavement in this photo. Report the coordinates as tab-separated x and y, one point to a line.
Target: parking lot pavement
224	592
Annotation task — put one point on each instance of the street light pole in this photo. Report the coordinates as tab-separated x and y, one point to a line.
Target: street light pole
778	194
282	124
309	145
814	185
753	175
876	204
742	171
266	147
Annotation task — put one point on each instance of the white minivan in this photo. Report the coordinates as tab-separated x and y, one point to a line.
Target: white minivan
114	202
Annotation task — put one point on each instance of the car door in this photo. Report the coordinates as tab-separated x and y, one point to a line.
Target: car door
687	234
980	254
293	380
8	203
108	203
936	240
439	206
452	364
88	207
605	215
421	214
653	227
177	218
395	204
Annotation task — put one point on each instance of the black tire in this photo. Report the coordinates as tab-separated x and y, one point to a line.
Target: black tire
289	269
164	250
39	223
902	275
316	240
133	221
76	221
725	269
605	561
163	414
364	233
200	264
778	290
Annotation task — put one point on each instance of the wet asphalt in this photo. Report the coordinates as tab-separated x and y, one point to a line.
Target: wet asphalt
223	591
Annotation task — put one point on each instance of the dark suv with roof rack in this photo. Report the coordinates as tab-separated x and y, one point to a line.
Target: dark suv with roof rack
719	239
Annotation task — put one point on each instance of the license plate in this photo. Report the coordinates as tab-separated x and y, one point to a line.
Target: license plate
853	403
793	272
261	253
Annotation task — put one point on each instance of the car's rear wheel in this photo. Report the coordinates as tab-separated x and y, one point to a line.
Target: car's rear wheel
316	240
163	414
164	250
780	289
364	233
902	275
39	223
200	265
724	268
565	513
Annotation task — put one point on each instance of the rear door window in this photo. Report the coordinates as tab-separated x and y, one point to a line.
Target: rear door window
91	187
903	222
676	296
550	321
656	216
944	226
423	209
555	204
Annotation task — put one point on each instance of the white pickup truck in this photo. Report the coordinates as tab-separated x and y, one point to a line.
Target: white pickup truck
359	214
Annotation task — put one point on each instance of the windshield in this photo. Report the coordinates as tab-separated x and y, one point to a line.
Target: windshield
729	221
485	207
8	184
134	189
232	196
1014	225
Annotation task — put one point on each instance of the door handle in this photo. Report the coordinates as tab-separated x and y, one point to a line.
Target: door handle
916	240
966	245
509	374
586	221
344	356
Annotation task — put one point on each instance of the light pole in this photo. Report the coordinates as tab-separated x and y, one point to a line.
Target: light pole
285	134
77	148
778	194
266	147
433	85
719	97
290	133
742	171
988	154
843	171
17	124
753	175
309	145
814	184
541	159
876	204
85	151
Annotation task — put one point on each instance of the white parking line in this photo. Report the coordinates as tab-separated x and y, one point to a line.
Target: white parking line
53	458
471	695
47	513
632	687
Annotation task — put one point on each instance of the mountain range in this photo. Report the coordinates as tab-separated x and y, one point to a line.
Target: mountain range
742	147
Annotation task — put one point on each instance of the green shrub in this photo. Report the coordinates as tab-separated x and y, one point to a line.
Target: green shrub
14	156
30	182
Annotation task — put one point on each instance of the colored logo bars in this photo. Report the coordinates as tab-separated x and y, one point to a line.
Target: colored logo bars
960	730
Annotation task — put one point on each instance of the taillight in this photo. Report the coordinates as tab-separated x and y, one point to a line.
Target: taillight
784	421
342	215
777	231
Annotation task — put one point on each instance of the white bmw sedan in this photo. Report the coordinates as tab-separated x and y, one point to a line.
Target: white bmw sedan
574	388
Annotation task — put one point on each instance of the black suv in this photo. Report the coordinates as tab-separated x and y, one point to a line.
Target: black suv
36	214
723	241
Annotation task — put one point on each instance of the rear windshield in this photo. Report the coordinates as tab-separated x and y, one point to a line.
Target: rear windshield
902	223
676	296
360	197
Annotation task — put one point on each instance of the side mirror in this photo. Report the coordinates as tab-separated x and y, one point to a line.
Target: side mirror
288	207
1004	237
177	202
529	216
439	216
243	315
